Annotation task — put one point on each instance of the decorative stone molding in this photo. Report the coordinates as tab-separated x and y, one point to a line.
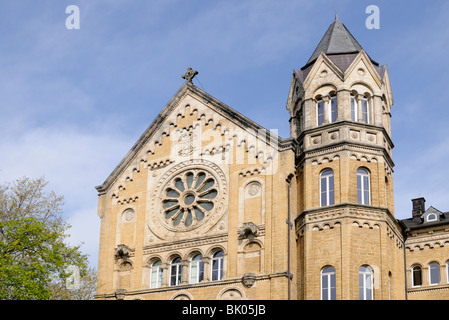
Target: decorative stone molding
122	252
248	280
248	231
120	294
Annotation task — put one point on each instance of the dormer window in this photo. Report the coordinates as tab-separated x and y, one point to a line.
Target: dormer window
327	110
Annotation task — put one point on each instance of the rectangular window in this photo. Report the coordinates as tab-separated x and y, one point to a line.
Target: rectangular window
334	110
156	278
434	274
417	279
217	269
320	115
365	113
353	109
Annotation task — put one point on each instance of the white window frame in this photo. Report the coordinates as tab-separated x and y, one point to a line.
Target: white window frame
330	109
156	271
430	274
220	261
355	114
317	111
326	179
178	274
327	109
195	269
447	272
431	214
367	110
326	279
363	188
364	286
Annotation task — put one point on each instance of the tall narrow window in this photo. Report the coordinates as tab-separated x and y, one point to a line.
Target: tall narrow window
363	187
196	269
217	266
327	187
447	271
354	111
320	112
328	287
333	110
156	274
365	283
365	110
175	272
434	274
416	276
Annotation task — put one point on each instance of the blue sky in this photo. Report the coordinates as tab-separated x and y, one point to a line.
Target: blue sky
73	102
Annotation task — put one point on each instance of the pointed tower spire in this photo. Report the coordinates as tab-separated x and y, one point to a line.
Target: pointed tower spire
336	40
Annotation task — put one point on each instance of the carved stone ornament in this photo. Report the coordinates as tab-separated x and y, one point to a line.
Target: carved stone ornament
122	252
120	294
248	279
248	231
190	74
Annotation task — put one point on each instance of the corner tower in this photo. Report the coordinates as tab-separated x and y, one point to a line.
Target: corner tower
349	244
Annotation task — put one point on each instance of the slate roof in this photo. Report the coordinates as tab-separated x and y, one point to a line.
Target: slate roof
340	46
336	40
417	222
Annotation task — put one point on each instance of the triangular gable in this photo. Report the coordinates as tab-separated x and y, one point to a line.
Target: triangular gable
159	127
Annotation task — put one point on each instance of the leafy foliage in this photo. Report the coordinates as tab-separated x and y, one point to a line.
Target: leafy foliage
33	248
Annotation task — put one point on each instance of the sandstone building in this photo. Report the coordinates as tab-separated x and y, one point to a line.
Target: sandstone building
210	205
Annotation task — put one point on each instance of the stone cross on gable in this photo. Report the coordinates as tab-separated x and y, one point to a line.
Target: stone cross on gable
190	74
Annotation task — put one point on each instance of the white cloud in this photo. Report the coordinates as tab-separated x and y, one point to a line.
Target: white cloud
74	162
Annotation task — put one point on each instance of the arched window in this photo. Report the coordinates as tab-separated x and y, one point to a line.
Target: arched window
365	283
327	187
175	272
327	110
360	108
196	269
431	217
328	287
156	274
416	276
363	186
434	274
217	266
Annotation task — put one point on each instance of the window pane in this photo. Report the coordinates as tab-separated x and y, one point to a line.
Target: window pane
334	110
359	189
320	112
417	276
325	294
333	287
331	190
353	109
434	270
194	272
365	110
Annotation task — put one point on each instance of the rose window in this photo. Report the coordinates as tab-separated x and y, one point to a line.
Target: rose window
189	198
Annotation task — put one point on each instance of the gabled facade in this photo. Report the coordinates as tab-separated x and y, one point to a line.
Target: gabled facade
209	205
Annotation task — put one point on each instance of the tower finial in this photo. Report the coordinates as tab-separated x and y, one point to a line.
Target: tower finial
336	16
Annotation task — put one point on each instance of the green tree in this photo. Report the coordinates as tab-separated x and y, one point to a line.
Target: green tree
34	252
